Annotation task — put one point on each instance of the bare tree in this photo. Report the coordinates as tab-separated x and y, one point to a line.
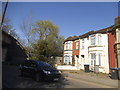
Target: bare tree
26	27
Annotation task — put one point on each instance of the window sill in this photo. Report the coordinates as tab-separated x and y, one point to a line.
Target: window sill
95	46
67	50
82	48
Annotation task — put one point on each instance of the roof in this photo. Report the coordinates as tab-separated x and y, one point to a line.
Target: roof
105	30
114	27
69	38
86	34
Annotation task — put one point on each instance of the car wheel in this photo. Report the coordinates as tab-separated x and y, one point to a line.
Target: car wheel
37	77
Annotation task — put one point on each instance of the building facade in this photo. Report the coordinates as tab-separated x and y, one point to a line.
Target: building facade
67	56
114	44
76	51
84	42
98	52
99	49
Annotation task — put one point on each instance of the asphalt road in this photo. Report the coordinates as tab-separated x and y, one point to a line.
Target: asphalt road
78	83
12	79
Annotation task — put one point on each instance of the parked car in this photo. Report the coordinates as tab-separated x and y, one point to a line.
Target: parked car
39	71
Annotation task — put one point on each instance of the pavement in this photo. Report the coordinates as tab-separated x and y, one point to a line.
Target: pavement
92	77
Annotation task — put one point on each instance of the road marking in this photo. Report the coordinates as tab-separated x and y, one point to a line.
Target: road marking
92	83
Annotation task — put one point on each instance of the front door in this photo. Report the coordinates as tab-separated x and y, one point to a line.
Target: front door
82	61
93	61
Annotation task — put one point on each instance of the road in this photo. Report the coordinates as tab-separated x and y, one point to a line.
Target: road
12	79
77	83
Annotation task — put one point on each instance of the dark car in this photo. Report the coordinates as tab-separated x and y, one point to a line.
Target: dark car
39	70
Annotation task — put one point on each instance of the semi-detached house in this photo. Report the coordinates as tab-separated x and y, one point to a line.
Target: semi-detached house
99	48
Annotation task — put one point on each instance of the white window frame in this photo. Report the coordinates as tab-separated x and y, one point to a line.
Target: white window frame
66	46
70	45
93	40
99	39
119	36
99	58
83	42
93	58
77	46
67	59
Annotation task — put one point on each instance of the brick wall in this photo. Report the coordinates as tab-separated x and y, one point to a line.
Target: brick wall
111	52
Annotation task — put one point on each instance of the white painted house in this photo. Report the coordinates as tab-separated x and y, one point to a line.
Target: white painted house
94	51
84	42
98	52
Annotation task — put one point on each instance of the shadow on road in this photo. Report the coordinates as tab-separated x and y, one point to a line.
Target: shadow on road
11	79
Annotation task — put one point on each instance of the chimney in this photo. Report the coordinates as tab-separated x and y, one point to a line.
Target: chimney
117	20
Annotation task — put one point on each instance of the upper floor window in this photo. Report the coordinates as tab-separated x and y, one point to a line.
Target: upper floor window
119	36
93	39
66	46
99	39
70	46
83	43
77	45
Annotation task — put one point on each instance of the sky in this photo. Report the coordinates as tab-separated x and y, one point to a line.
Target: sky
72	18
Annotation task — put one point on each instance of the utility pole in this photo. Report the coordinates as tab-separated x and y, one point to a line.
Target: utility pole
3	16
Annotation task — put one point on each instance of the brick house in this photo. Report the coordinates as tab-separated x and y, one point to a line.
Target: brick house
76	51
114	44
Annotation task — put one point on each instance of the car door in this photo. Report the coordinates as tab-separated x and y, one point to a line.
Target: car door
25	68
32	68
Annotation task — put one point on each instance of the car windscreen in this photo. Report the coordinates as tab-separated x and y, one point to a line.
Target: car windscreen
44	65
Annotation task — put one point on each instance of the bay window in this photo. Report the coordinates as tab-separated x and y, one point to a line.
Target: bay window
93	59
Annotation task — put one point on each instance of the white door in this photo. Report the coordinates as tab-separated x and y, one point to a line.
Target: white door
93	61
82	61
